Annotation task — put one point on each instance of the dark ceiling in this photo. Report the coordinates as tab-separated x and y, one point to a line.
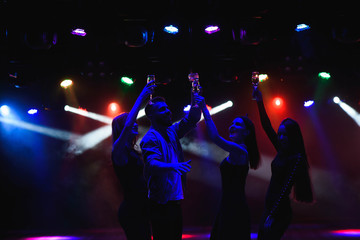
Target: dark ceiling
36	44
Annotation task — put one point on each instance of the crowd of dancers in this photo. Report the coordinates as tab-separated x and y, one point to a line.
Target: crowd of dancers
154	177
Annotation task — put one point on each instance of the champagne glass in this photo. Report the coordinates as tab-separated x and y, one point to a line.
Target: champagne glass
254	82
149	79
195	84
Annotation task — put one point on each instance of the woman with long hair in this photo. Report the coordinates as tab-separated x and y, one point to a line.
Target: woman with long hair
233	217
128	166
289	171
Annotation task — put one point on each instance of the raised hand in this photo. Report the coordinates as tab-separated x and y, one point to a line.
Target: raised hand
198	100
257	94
148	89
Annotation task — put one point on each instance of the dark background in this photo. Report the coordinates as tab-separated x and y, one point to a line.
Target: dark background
43	186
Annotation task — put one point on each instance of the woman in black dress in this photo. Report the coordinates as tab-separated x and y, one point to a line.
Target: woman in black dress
233	218
128	166
289	169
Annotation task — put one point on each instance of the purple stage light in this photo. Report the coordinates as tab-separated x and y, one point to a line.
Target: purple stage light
347	232
79	32
212	29
52	238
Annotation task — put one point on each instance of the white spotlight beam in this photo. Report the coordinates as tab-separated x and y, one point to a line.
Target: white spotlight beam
96	116
89	140
93	138
51	132
91	115
219	108
350	111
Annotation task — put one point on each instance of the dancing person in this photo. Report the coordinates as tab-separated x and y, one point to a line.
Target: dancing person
289	170
165	168
233	217
128	165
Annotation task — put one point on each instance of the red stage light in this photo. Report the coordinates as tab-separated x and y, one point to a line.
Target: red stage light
278	102
114	108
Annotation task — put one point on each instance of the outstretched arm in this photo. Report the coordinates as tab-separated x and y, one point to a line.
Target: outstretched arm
124	138
191	119
229	146
265	121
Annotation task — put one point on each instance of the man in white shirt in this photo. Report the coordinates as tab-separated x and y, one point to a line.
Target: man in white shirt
165	168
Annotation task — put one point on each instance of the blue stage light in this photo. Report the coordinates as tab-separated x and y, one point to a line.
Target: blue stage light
302	27
4	110
171	29
32	111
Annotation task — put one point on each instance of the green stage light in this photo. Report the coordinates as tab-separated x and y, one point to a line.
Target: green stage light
127	80
324	75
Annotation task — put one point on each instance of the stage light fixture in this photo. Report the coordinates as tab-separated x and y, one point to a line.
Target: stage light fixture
278	102
263	77
324	75
336	100
66	83
212	29
78	32
171	29
32	111
127	80
5	110
114	107
308	103
302	27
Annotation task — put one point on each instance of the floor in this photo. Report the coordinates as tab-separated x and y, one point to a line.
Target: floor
295	232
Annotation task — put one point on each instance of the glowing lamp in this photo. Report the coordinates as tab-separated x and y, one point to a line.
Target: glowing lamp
308	103
32	111
171	29
324	75
278	102
114	107
336	100
263	77
79	32
127	80
5	110
212	29
66	83
302	27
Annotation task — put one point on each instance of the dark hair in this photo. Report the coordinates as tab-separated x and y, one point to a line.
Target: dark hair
251	144
302	185
149	108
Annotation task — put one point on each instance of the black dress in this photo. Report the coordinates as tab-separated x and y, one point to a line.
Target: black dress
277	202
133	211
233	218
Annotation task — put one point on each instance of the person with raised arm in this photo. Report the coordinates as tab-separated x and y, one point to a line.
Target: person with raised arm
233	218
128	165
290	170
165	167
